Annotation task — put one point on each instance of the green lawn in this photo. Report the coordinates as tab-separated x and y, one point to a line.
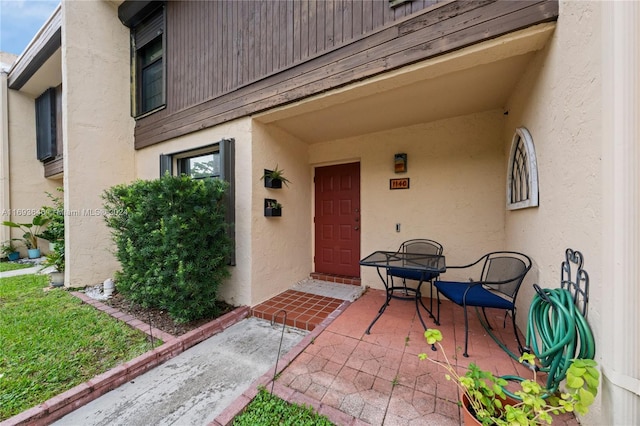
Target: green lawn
50	342
267	410
9	266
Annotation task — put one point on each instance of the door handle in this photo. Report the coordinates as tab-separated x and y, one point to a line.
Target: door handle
355	228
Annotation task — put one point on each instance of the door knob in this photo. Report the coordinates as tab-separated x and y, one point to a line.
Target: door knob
355	228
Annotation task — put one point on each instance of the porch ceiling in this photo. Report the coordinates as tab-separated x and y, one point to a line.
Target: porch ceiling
474	79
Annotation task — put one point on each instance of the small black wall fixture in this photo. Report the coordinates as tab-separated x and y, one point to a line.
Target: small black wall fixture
400	163
272	208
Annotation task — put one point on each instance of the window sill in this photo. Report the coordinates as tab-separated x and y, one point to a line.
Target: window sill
55	168
148	113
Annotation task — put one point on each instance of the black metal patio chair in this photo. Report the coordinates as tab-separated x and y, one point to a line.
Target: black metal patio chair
418	246
497	287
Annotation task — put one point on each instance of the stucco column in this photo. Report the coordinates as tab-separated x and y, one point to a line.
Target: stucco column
621	208
5	202
98	129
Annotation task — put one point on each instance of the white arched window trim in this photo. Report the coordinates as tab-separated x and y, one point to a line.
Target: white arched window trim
522	177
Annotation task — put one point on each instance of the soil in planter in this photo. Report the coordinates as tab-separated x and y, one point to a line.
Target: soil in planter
160	319
468	413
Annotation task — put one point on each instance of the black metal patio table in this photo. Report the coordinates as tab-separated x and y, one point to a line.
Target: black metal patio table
425	264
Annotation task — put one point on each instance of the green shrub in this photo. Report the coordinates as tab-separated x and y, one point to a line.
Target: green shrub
171	241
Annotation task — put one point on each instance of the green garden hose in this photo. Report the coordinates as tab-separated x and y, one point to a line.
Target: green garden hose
557	333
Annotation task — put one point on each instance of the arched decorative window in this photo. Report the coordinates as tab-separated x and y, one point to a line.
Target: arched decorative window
522	178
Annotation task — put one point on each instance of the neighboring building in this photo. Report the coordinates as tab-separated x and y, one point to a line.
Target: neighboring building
37	73
330	92
6	61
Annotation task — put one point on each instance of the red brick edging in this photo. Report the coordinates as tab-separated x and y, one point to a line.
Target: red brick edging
288	394
61	405
134	323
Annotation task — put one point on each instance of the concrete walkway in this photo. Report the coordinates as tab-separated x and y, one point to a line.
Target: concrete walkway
36	268
25	271
206	384
196	386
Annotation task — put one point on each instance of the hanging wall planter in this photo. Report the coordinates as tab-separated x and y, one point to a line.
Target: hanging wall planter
272	208
270	182
274	178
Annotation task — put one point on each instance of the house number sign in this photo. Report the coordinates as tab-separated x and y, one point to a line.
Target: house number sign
399	183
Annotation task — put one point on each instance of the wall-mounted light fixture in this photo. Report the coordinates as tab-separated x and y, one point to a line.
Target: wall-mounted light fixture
400	163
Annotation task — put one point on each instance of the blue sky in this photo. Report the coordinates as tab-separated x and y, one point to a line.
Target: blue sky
20	20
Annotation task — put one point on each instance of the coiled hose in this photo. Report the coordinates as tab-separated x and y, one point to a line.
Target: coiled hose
557	333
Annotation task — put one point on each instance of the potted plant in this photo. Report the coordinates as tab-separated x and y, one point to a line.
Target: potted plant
272	208
31	233
55	259
274	178
10	251
485	402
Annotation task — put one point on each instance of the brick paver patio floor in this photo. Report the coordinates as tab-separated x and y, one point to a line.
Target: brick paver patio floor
379	379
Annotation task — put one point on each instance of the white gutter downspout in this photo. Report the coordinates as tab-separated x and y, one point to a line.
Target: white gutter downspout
621	206
5	194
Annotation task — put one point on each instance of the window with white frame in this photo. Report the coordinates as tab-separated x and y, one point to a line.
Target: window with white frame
522	176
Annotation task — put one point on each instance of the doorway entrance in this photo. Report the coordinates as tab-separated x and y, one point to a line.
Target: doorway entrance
337	220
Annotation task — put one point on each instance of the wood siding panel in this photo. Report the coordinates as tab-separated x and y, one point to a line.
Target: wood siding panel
304	30
263	54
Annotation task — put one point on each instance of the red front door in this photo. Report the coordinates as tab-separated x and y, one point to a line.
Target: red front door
337	219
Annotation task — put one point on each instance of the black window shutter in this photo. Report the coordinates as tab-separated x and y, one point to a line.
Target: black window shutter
227	172
166	164
46	125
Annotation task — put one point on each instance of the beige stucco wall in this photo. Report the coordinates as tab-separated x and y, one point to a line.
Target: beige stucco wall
558	100
5	200
98	132
456	195
26	173
281	253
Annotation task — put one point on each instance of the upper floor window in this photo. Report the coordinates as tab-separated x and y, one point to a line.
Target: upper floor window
149	53
522	177
46	146
49	141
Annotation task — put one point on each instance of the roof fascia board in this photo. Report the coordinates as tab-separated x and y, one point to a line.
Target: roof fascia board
43	45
